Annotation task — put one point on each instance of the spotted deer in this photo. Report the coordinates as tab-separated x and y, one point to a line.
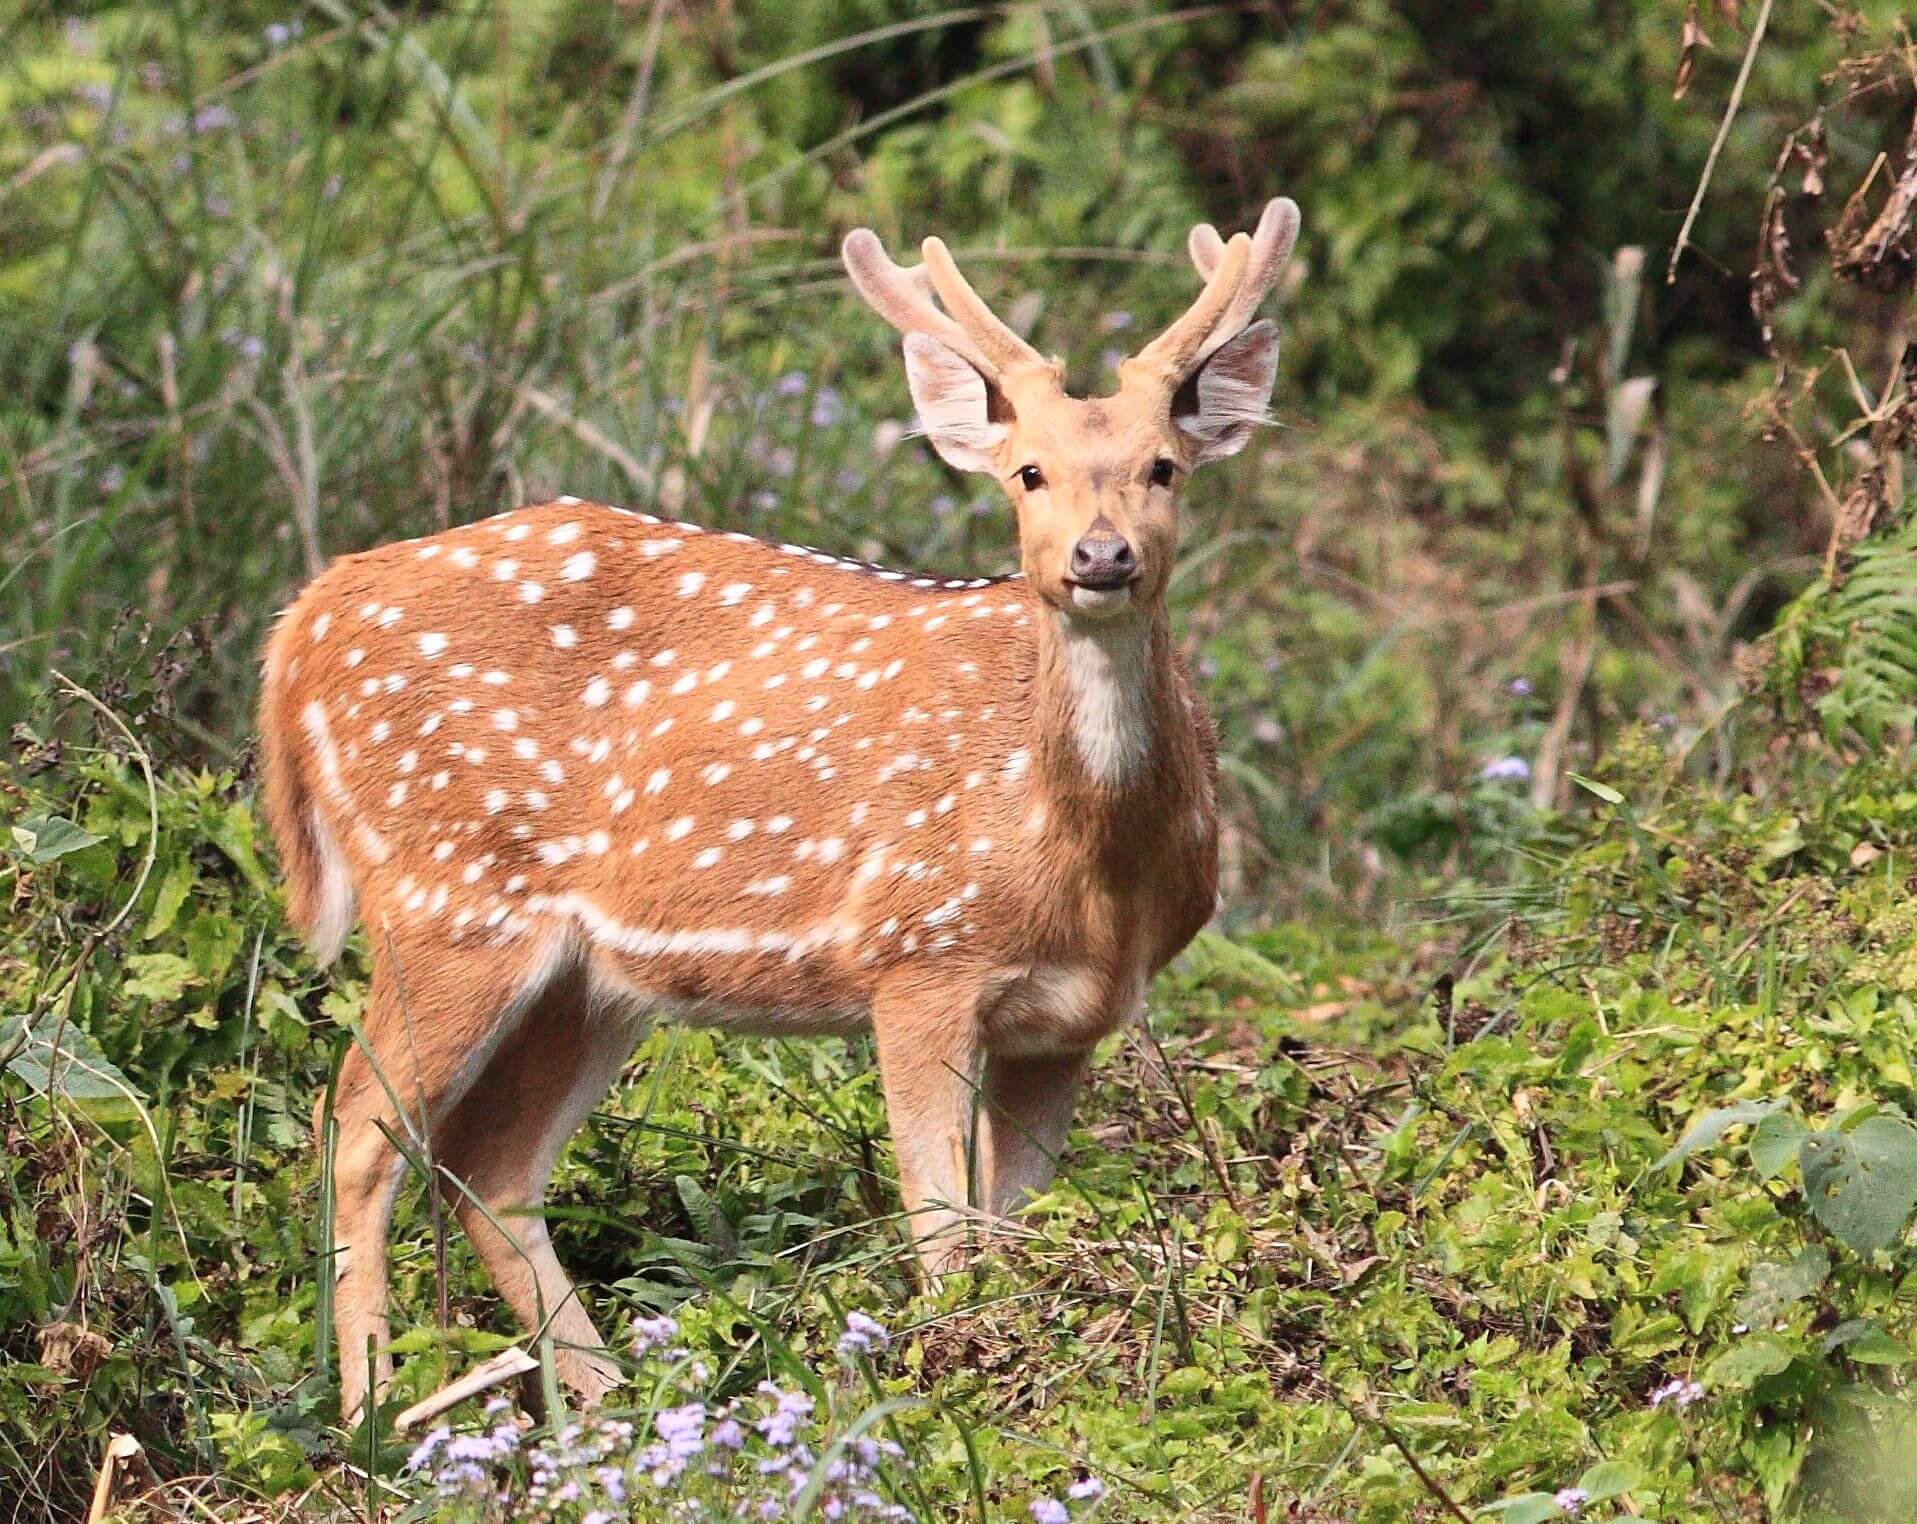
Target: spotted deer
581	769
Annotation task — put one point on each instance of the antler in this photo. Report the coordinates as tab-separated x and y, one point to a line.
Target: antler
903	298
1173	355
1006	348
1271	245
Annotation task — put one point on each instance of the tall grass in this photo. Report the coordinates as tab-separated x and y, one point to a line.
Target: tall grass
283	285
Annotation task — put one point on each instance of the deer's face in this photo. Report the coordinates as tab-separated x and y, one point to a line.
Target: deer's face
1095	484
1095	481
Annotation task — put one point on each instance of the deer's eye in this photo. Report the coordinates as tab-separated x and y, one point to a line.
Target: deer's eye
1030	478
1163	470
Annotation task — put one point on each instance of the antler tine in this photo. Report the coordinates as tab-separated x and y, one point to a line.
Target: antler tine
1173	352
900	296
1005	347
1271	246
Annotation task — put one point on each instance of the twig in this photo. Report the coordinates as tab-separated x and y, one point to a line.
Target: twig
1369	1414
1717	143
507	1365
122	1447
635	473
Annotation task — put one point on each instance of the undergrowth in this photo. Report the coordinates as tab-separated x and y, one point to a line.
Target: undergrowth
1351	1224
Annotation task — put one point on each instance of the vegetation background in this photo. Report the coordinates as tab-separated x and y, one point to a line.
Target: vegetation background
1559	632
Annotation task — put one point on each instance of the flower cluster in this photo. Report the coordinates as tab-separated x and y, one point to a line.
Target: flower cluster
1571	1499
690	1461
862	1336
1087	1489
463	1465
1678	1392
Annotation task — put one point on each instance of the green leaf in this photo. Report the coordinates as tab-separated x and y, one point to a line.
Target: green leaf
1875	1347
1525	1508
1603	791
47	837
1862	1184
157	977
706	1216
169	897
1776	1284
1708	1128
57	1058
1774	1144
231	830
1844	1333
1749	1361
1609	1479
1863	1341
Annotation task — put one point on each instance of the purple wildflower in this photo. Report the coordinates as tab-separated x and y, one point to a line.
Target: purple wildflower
428	1447
215	118
791	384
1571	1499
827	408
1087	1489
1678	1391
862	1336
1520	687
1050	1511
1505	770
790	1409
649	1334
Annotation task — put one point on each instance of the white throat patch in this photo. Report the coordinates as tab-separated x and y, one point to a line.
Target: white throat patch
1109	672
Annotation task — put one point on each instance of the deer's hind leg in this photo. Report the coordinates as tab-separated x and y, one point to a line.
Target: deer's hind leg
500	1145
429	1031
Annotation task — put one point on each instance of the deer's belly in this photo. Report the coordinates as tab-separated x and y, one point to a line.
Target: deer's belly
748	1001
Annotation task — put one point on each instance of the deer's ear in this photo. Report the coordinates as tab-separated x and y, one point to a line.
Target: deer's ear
954	406
1219	406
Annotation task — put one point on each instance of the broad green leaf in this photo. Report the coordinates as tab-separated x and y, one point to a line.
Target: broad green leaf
1525	1508
1862	1184
1776	1284
1864	1342
1750	1360
1875	1347
1774	1144
231	830
1846	1331
1708	1128
57	1058
47	837
1609	1479
157	977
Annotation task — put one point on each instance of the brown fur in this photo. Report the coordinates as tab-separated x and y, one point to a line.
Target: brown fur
584	769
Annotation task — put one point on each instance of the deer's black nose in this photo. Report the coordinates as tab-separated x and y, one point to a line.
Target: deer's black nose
1103	558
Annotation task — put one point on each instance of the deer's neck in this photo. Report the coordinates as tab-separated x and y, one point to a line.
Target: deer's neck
1110	726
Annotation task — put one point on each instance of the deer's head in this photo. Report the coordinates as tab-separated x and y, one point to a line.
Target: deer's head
1095	480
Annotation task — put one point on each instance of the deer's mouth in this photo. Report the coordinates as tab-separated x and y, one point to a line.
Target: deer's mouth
1101	597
